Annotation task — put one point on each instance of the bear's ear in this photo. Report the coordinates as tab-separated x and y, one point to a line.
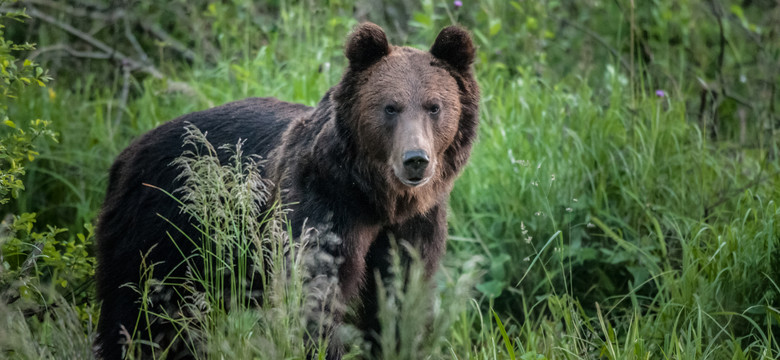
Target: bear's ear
366	45
454	46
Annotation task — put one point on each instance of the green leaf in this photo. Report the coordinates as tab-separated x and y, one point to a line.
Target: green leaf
510	348
495	26
497	267
479	35
737	10
492	289
531	23
423	19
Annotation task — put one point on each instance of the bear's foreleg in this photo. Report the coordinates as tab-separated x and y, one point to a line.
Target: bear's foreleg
427	235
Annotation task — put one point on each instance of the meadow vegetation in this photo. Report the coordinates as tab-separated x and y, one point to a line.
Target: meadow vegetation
621	202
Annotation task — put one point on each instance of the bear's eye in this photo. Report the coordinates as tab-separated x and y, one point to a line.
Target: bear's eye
390	110
434	109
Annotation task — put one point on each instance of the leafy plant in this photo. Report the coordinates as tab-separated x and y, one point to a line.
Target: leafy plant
17	148
17	141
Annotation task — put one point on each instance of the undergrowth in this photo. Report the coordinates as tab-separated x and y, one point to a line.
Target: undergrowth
620	202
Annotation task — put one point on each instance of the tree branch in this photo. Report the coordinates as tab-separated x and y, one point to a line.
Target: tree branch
68	49
115	54
123	95
133	41
79	12
169	40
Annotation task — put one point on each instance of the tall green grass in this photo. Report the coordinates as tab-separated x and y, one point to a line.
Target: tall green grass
242	294
603	221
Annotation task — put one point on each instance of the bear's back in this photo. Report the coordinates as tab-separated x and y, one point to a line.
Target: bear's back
135	216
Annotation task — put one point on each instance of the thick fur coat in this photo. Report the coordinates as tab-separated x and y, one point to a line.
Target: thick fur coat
376	157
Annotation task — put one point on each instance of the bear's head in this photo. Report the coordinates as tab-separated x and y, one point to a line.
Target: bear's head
412	113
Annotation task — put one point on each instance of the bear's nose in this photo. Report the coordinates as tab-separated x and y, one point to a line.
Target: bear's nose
415	162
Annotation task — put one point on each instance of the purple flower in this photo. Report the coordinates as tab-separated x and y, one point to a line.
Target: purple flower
458	3
660	93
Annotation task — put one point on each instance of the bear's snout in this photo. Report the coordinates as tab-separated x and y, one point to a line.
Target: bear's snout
415	162
415	168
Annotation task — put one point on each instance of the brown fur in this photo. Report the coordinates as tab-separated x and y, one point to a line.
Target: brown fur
343	166
357	150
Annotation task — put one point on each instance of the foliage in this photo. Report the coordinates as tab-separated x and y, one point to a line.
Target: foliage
16	145
59	333
237	241
621	201
30	259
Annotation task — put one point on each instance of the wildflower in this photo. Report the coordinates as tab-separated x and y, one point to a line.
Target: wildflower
528	239
574	199
568	209
591	226
458	3
527	259
660	93
552	178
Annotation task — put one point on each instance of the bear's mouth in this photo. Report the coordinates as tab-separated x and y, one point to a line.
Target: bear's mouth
415	181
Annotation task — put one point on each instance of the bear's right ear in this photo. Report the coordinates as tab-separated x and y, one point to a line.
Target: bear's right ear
366	45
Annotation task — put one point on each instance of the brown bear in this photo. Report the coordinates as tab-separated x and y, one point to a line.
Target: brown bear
375	159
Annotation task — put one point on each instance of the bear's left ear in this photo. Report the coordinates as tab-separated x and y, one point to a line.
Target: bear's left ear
454	46
366	45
